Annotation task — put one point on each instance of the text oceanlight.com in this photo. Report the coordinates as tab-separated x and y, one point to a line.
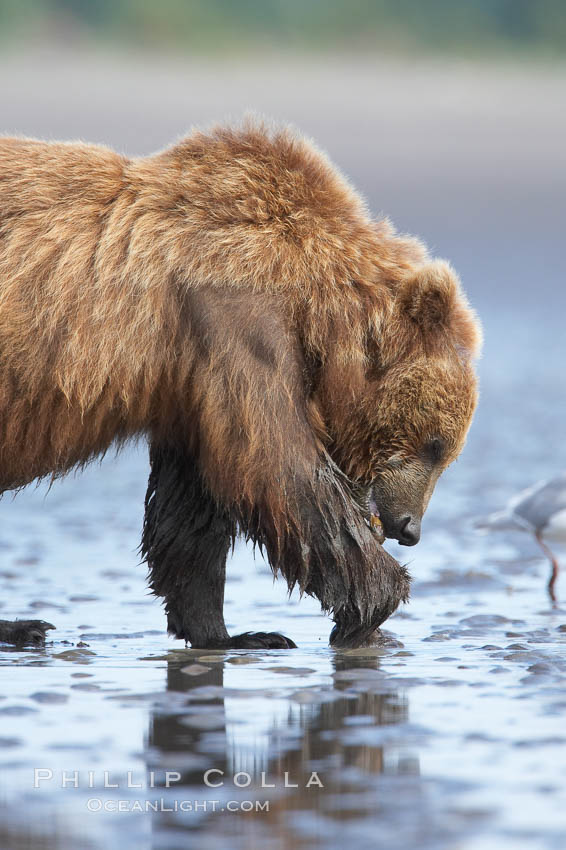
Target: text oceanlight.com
96	804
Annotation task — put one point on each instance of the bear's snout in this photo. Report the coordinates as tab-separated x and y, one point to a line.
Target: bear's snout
409	531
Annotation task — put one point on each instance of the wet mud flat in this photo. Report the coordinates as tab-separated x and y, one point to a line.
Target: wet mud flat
452	734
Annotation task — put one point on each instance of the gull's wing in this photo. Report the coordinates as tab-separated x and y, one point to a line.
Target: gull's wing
537	505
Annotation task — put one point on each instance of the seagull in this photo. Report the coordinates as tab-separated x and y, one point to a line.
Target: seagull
541	511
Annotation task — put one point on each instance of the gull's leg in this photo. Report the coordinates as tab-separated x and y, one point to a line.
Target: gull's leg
555	568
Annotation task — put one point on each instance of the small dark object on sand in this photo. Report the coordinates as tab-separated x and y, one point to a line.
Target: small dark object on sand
24	632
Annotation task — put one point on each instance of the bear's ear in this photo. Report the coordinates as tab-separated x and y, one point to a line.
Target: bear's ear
431	297
429	294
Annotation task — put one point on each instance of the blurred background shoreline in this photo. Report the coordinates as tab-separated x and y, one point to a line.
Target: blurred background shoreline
505	28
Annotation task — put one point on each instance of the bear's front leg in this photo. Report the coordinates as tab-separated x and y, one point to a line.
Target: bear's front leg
328	549
186	538
24	632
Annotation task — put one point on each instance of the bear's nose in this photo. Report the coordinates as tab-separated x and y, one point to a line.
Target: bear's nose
409	531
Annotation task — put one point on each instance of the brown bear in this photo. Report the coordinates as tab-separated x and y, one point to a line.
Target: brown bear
298	367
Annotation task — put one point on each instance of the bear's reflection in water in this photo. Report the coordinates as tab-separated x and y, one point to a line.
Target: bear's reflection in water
322	755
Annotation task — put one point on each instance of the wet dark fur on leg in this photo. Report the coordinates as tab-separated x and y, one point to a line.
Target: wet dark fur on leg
328	550
187	536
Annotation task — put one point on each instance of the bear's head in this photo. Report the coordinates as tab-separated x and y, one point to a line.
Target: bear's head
399	414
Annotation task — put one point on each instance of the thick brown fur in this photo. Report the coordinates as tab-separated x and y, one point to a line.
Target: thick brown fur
232	297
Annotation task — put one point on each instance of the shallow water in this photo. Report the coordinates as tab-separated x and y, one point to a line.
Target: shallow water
450	736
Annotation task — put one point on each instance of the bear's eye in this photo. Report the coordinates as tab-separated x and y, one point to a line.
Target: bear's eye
435	449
